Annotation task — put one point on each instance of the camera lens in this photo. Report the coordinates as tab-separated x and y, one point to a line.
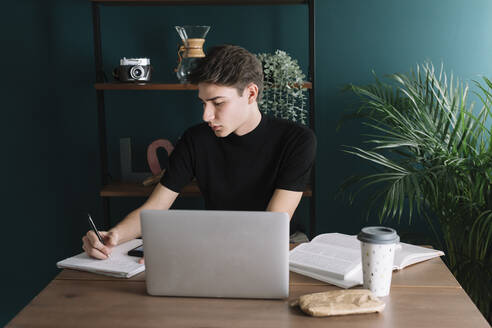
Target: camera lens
136	72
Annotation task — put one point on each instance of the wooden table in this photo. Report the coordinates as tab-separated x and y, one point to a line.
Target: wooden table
422	295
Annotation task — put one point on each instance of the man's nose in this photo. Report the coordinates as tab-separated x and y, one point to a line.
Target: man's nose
208	113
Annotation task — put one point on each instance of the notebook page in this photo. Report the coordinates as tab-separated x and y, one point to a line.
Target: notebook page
119	264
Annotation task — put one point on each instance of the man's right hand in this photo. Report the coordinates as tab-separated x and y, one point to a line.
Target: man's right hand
94	248
161	199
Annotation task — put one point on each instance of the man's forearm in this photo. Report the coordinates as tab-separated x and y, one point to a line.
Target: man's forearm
284	201
129	228
161	199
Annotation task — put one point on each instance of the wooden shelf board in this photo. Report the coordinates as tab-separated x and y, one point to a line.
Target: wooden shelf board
156	86
144	86
129	189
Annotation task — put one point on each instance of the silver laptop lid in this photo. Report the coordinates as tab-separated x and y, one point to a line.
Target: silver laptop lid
216	253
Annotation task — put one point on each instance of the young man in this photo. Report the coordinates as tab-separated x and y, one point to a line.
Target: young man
242	159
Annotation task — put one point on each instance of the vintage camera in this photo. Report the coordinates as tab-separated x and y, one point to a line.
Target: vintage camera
133	70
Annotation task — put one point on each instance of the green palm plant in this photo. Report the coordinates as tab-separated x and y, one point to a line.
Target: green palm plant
434	158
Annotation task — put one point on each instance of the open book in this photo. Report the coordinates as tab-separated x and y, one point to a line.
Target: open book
335	258
118	265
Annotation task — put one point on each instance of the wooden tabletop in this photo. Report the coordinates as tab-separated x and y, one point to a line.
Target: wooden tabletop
422	295
431	273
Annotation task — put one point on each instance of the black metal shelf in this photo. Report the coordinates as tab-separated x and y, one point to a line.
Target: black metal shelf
101	87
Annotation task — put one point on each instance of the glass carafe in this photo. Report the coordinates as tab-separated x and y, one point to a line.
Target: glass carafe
192	49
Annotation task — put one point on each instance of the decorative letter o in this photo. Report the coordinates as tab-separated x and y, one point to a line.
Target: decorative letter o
152	159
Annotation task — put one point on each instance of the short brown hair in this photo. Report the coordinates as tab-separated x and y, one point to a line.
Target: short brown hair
230	66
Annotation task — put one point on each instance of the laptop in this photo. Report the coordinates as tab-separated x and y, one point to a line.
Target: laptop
230	254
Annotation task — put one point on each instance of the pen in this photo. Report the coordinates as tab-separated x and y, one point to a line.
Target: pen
93	227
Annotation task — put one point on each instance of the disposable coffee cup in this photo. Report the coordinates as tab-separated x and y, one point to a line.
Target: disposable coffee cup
378	246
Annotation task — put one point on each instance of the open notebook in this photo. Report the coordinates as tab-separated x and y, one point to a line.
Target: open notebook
118	265
335	258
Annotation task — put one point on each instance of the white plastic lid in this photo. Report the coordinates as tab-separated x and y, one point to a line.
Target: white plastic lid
378	235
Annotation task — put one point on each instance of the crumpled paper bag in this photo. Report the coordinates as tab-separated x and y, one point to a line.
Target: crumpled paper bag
339	302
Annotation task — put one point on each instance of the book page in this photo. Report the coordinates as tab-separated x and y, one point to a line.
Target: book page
337	261
338	256
338	239
409	254
341	240
405	254
353	280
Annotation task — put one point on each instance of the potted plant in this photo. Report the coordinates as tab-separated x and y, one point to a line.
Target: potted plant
433	154
283	94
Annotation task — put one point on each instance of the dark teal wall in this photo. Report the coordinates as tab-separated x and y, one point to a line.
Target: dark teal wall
50	164
390	36
48	136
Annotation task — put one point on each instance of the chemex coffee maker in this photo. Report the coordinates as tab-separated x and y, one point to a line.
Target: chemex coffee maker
193	38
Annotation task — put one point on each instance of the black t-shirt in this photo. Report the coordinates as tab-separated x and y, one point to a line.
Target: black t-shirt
242	172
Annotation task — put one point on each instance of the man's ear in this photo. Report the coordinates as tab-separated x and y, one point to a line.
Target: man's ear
252	92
